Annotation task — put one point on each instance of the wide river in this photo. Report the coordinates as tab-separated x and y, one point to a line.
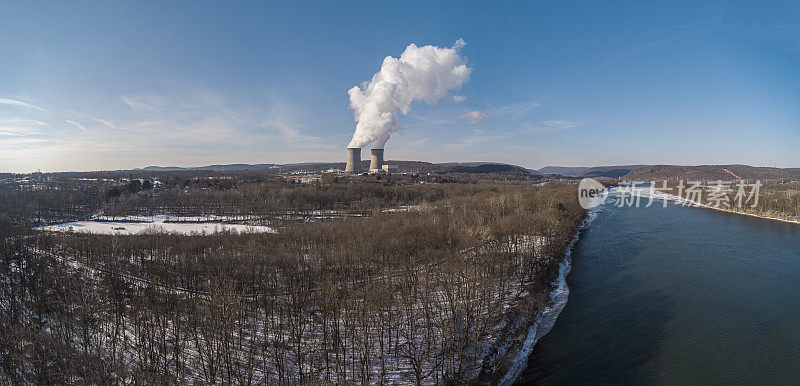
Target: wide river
677	295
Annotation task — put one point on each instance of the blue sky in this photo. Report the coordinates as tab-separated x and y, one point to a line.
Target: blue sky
116	85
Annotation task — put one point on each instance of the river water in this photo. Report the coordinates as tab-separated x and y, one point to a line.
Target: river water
677	295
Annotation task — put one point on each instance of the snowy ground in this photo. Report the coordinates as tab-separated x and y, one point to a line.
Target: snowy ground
130	224
169	218
398	371
152	223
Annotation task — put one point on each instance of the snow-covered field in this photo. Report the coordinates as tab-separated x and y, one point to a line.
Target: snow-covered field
170	218
130	224
155	223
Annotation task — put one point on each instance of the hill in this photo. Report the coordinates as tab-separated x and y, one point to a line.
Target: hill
211	167
568	171
403	166
712	172
489	168
611	171
596	171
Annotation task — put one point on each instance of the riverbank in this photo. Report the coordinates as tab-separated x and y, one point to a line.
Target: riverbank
545	317
675	295
645	193
754	214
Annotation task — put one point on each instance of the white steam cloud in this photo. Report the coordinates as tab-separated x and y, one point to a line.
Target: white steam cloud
421	73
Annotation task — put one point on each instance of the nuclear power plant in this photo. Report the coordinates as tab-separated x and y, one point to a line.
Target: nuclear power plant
353	160
420	73
376	161
376	164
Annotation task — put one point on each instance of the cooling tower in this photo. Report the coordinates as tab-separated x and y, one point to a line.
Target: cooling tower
376	162
353	160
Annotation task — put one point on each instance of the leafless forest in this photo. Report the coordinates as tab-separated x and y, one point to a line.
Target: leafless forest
367	279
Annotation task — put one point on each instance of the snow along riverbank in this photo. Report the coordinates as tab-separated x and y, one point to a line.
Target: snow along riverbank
546	317
678	200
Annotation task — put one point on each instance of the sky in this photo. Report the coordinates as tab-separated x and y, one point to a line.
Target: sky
117	85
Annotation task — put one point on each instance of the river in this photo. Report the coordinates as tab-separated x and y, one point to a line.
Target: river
676	295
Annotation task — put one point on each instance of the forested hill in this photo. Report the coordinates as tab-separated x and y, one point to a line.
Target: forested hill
403	166
611	171
569	171
488	168
596	171
712	172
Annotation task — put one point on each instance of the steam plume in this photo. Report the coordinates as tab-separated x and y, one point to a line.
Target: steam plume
421	73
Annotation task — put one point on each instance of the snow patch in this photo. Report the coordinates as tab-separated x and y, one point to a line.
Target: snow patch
546	317
133	225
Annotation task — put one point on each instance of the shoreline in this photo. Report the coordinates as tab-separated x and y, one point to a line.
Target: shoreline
645	193
757	215
681	201
546	316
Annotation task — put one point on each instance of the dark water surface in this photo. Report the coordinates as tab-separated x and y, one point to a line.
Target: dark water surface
677	295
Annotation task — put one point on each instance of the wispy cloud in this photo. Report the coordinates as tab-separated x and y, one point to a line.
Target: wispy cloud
512	110
136	104
289	131
19	143
78	125
459	98
549	126
478	137
106	123
562	124
662	36
515	108
22	122
431	120
419	142
475	116
205	118
13	102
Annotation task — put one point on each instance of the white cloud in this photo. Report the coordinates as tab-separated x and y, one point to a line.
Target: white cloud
138	105
475	116
13	102
419	142
20	130
76	124
106	123
561	124
515	109
549	126
185	127
22	122
459	98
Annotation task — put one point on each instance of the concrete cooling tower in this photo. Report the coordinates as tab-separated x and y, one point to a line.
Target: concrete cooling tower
376	161
353	160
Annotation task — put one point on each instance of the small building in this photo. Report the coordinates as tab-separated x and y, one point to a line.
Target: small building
390	168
